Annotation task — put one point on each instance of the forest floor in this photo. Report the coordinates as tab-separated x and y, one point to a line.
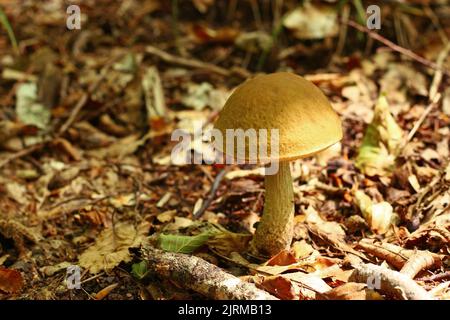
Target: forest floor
86	176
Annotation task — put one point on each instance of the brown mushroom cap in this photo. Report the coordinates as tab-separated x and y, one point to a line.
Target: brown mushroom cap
306	121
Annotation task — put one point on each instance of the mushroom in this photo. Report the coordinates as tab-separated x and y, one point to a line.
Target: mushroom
306	123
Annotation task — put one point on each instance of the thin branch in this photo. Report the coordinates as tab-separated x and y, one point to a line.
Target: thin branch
422	118
396	47
73	115
211	195
193	63
21	153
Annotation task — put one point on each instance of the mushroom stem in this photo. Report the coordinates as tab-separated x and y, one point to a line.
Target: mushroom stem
275	230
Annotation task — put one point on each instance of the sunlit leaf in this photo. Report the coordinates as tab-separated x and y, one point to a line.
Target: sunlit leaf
183	244
381	143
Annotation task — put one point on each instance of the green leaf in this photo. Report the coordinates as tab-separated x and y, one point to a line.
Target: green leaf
139	270
5	22
382	142
183	244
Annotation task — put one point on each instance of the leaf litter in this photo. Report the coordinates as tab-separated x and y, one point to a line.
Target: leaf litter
86	177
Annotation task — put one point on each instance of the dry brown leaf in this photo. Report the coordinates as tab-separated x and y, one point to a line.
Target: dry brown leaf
309	281
352	291
11	281
111	246
394	255
279	286
283	258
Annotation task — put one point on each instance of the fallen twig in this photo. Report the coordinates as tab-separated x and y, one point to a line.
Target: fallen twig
211	195
422	118
436	277
396	47
73	115
433	94
389	282
193	63
21	153
201	276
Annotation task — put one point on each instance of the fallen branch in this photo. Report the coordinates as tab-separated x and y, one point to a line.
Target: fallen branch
191	272
389	282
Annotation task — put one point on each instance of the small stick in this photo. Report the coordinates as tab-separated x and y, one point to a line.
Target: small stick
193	63
436	277
397	48
196	274
422	118
73	114
211	195
21	153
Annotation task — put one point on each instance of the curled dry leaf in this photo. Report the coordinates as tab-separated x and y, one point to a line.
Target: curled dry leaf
379	216
421	260
332	228
396	256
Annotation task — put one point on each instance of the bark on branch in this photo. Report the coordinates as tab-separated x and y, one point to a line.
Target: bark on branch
390	282
191	272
